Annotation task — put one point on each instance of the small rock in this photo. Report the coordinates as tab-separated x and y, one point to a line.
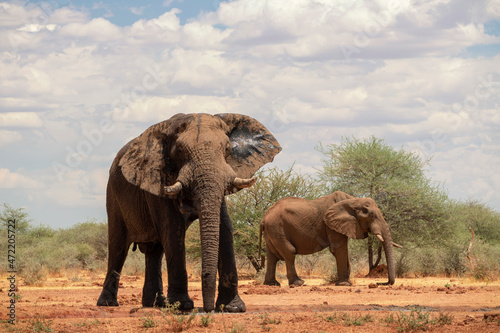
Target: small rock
468	319
372	286
492	315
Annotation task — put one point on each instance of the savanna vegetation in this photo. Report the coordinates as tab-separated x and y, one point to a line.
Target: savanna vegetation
436	232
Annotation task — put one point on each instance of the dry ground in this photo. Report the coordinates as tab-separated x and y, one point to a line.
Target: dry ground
69	305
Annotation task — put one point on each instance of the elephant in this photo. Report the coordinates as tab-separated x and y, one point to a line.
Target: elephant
175	172
299	226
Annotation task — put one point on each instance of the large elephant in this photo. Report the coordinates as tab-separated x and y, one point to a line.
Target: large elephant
175	172
299	226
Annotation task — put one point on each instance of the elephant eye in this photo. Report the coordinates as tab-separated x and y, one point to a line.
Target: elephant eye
178	150
228	149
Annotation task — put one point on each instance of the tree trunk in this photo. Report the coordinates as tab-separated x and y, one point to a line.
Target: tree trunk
370	254
255	263
372	265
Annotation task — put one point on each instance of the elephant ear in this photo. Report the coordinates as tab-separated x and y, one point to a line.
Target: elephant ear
339	196
252	145
143	162
341	218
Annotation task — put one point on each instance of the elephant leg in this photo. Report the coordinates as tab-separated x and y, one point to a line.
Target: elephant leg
228	275
272	260
175	255
340	250
291	273
285	251
152	292
117	253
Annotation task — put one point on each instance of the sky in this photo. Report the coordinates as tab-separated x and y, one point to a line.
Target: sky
79	79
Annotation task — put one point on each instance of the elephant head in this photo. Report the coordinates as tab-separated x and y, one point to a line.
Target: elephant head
355	217
196	159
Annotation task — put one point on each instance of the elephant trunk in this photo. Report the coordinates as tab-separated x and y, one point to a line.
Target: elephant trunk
389	257
381	230
209	193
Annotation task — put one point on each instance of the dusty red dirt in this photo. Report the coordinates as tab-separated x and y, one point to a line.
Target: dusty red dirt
66	306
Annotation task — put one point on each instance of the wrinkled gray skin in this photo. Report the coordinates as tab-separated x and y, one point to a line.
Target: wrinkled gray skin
299	226
160	182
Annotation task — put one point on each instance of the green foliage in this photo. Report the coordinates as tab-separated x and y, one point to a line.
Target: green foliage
237	328
418	321
349	320
481	218
135	263
22	220
171	319
176	320
193	245
367	167
40	324
45	251
206	320
42	250
22	227
148	321
91	233
266	320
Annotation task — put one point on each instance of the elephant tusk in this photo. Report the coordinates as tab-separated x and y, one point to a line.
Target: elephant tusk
174	189
397	245
380	238
244	183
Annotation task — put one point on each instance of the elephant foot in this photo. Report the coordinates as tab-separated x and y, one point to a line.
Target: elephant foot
272	283
235	305
159	301
343	283
184	301
298	282
385	283
107	299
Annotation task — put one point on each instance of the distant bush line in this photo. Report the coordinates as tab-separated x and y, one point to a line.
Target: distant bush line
436	232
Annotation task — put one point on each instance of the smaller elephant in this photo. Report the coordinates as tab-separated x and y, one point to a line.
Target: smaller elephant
298	226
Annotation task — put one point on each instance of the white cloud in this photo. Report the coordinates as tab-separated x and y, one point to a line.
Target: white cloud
407	77
137	10
155	109
20	119
65	15
98	29
9	137
11	180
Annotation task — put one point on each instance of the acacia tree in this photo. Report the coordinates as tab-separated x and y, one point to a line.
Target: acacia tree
247	207
22	220
395	179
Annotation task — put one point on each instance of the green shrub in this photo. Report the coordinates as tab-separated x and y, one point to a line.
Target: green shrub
418	321
135	263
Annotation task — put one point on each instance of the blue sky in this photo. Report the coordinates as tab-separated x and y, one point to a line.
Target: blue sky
124	13
79	79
